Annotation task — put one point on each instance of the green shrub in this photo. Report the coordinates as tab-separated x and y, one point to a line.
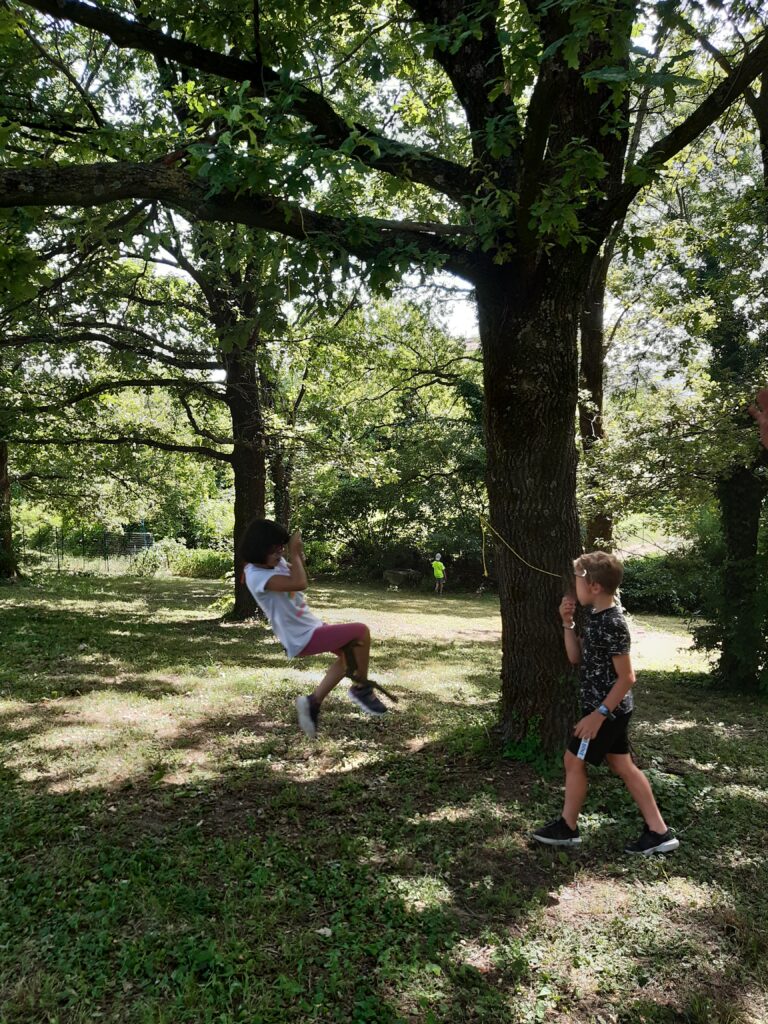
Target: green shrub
201	563
175	558
148	562
668	584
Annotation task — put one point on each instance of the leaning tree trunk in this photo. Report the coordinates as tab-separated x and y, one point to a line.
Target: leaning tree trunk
282	472
598	528
531	375
742	619
248	459
8	568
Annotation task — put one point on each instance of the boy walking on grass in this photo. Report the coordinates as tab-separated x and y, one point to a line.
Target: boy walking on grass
607	678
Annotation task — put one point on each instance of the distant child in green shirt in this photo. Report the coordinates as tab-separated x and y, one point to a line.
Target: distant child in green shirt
439	570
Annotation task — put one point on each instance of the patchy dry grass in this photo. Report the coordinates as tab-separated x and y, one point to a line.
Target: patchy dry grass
174	851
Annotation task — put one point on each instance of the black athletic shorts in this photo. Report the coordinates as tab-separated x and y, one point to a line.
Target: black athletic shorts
612	739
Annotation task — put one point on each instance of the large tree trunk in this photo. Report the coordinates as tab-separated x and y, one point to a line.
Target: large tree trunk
8	569
248	459
598	528
741	497
531	374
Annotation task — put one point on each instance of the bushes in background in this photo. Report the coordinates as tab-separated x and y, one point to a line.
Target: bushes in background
173	557
666	583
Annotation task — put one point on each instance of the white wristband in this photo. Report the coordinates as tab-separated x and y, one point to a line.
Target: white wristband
572	625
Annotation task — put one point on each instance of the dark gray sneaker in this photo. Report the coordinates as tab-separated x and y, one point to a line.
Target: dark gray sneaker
653	842
557	833
309	713
362	694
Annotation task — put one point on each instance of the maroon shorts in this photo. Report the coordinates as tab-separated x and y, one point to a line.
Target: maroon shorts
333	638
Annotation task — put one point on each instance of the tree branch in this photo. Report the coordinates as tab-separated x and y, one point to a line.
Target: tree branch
201	431
142	442
474	64
374	150
758	104
708	111
61	67
119	385
43	338
95	184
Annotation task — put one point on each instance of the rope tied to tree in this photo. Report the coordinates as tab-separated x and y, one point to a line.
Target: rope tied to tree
485	524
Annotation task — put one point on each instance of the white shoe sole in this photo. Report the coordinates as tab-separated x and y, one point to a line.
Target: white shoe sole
363	707
665	847
557	842
306	724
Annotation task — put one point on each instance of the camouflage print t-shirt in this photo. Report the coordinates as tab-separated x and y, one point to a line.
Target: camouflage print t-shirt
605	634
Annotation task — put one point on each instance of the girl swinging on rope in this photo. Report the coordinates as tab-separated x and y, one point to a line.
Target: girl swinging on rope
278	588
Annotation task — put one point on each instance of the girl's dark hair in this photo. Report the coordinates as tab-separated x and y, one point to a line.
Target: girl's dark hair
261	535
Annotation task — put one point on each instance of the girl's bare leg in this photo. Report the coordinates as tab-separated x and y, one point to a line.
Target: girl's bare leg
362	655
332	678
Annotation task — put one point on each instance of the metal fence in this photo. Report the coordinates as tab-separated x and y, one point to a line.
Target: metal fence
88	550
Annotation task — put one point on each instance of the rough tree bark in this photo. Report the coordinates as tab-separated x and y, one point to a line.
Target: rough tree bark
741	496
531	374
282	472
598	527
248	458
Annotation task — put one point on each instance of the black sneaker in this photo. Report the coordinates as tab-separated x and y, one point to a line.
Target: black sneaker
309	713
362	694
557	833
653	842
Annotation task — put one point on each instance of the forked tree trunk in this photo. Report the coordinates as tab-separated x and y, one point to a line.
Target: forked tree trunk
531	374
8	568
741	498
248	459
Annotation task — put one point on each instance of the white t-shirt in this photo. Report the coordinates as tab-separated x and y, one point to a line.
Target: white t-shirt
291	620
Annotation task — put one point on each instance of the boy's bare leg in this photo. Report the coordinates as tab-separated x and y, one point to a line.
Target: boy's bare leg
576	785
639	789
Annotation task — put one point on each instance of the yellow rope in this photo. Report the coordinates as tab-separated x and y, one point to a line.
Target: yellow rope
486	525
485	566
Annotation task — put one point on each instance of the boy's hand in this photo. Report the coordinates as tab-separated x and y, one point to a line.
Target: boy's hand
567	609
296	545
589	726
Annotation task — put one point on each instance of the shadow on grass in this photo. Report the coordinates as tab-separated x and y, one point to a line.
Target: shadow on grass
383	893
254	897
400	889
57	652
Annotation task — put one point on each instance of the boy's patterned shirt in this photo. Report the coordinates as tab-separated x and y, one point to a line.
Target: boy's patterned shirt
605	634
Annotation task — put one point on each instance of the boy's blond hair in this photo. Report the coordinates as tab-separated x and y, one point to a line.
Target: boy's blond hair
602	568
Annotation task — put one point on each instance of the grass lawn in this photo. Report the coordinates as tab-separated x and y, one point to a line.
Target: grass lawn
173	850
